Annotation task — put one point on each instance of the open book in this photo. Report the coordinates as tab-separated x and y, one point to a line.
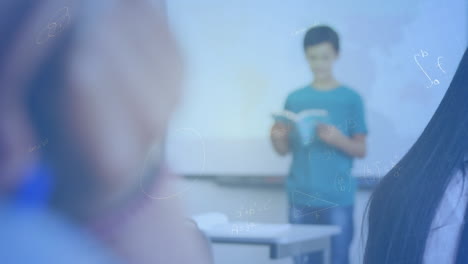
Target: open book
303	123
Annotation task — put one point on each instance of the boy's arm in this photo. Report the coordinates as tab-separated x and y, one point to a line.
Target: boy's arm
279	138
355	146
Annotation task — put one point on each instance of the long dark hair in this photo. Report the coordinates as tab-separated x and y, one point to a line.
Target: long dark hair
402	207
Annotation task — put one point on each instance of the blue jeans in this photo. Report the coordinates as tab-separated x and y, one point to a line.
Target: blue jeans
340	244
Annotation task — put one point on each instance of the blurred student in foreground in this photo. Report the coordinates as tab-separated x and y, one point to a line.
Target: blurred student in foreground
99	80
418	212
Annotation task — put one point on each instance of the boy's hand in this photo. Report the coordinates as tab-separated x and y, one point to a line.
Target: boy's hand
279	137
280	131
329	134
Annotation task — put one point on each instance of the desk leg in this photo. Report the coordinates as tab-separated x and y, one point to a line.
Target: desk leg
326	251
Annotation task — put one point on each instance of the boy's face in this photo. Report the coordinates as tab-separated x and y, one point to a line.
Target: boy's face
321	58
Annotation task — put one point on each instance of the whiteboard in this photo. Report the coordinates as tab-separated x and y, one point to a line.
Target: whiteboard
244	57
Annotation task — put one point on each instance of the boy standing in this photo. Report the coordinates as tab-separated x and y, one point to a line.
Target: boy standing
319	186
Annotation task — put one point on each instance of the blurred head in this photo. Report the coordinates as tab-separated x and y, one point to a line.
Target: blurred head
321	47
99	80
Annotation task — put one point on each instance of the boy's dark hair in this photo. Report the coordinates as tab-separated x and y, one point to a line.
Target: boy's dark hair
319	34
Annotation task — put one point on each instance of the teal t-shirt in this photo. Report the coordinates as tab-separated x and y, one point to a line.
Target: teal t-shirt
320	175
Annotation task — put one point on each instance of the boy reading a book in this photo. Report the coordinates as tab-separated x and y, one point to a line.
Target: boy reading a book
319	185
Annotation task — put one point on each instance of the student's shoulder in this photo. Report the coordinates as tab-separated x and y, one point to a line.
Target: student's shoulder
46	237
297	92
351	93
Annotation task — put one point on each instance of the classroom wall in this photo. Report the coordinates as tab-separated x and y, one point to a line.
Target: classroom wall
268	204
244	57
